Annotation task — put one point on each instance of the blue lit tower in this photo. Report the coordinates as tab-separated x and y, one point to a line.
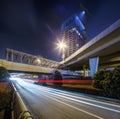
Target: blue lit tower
74	32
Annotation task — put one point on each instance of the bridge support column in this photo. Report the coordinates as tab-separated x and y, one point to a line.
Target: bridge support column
93	62
85	71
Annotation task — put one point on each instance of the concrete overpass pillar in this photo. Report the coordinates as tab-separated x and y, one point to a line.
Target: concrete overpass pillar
93	62
85	70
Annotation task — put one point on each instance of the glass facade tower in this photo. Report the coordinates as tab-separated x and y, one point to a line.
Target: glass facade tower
74	33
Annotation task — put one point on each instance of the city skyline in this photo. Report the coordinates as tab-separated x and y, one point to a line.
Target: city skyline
34	26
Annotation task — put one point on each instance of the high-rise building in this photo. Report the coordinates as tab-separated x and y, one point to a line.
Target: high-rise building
74	33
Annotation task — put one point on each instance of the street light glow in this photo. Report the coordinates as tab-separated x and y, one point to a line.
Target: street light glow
38	61
61	45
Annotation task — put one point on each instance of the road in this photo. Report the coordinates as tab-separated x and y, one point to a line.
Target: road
48	103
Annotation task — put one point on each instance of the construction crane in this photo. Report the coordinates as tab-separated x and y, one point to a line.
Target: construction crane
86	11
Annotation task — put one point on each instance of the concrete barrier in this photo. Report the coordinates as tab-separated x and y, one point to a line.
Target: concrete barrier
19	110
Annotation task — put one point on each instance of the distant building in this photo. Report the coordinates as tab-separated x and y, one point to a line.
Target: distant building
74	33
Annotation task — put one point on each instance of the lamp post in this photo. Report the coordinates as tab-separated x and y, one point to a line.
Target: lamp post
38	61
61	45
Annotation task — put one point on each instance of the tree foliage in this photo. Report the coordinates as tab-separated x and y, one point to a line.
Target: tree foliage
58	76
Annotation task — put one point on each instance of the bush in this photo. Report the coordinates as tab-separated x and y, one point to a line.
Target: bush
111	84
106	83
109	81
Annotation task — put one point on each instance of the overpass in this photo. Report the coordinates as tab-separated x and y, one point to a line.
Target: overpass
17	61
104	48
25	58
19	67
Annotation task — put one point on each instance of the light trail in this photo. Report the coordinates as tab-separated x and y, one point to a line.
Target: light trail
95	105
40	88
69	95
68	81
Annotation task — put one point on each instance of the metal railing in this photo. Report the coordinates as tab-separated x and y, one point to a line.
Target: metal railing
19	110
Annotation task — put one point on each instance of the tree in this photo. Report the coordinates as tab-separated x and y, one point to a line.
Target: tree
58	76
98	78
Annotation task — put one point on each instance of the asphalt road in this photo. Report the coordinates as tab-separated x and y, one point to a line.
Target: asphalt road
49	103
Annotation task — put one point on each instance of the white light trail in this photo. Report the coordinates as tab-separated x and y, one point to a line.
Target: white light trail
76	100
70	96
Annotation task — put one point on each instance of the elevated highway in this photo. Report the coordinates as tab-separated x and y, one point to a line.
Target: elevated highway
105	47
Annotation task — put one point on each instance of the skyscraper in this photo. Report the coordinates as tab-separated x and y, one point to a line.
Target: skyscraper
74	33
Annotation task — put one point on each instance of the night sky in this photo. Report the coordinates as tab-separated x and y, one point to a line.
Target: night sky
33	26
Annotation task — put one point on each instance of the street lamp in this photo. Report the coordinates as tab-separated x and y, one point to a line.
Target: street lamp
61	45
38	61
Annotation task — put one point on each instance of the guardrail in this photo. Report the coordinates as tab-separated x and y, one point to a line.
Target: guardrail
19	110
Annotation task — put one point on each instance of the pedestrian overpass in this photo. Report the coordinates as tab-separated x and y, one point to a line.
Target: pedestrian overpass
20	67
17	61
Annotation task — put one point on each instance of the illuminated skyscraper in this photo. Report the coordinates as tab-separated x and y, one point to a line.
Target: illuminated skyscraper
74	33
